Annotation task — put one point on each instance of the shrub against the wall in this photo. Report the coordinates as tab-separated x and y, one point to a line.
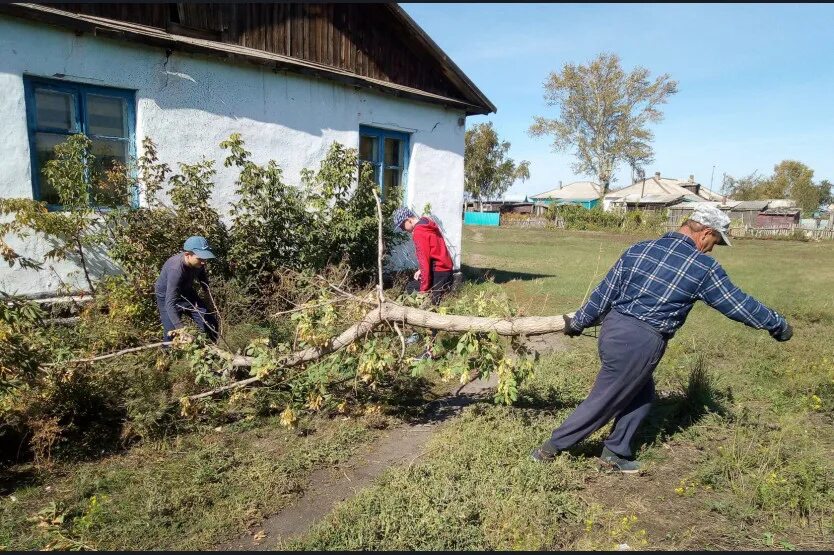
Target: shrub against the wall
142	239
330	218
84	189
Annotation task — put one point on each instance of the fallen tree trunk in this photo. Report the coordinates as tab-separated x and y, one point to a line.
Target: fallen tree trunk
395	313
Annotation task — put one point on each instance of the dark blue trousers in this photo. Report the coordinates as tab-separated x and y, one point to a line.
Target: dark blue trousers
202	316
629	350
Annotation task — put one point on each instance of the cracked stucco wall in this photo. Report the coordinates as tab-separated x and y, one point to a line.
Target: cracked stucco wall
189	104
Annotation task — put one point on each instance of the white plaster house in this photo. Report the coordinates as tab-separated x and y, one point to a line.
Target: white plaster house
583	193
657	188
291	78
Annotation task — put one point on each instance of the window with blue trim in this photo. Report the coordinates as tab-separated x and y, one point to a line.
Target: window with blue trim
57	109
387	151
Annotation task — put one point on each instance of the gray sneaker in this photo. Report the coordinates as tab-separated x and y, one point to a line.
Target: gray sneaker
542	456
618	463
412	339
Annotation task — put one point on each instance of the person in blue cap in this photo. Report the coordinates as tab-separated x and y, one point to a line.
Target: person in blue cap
175	292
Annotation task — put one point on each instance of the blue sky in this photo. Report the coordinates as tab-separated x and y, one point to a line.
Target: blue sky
756	82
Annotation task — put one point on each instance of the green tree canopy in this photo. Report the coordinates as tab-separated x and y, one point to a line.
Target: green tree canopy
488	171
604	115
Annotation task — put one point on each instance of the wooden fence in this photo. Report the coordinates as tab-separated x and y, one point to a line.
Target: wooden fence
519	221
751	232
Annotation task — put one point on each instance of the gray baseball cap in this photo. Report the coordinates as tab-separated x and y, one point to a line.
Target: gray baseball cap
711	216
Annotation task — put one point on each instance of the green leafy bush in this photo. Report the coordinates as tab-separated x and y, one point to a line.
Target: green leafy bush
596	219
84	188
330	218
143	238
117	317
23	341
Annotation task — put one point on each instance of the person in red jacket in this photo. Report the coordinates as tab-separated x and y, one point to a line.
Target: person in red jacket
434	273
434	264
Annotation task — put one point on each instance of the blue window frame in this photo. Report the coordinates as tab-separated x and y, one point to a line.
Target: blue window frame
387	151
57	109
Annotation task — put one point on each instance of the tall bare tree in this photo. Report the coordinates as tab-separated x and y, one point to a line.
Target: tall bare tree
604	115
488	172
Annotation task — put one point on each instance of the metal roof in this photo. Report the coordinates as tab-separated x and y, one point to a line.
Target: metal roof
578	190
753	205
652	199
781	212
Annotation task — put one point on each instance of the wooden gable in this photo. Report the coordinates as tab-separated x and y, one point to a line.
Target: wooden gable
377	44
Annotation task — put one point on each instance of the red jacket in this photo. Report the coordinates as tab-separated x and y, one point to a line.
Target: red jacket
432	255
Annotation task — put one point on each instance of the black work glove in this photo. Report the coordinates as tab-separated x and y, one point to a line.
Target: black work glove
784	334
569	329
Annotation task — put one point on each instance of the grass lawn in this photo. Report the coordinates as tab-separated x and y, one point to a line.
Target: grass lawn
739	446
187	493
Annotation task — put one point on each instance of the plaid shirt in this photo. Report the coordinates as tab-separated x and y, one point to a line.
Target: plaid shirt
659	281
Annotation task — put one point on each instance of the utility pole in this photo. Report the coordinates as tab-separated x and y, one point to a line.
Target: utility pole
711	176
641	174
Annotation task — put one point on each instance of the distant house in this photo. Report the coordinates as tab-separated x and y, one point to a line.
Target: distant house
505	203
657	203
745	212
517	208
582	193
781	203
681	211
748	213
659	191
778	217
292	79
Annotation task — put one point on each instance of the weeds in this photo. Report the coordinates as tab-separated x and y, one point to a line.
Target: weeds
188	492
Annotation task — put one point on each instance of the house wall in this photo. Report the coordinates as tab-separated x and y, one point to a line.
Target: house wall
654	208
587	203
777	220
189	104
747	217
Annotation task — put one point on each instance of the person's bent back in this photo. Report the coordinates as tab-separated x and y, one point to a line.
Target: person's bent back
175	292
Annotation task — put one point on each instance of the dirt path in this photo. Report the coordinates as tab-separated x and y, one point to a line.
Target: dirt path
330	486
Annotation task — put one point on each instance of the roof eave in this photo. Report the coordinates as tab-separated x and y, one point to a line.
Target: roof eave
151	36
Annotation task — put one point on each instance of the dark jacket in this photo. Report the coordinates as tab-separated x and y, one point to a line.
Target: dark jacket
176	285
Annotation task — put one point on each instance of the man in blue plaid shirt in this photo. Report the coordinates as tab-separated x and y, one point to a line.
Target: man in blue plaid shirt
642	302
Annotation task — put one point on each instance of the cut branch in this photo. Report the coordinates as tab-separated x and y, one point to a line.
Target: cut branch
389	312
111	355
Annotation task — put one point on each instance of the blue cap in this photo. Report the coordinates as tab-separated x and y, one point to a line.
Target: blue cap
199	246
